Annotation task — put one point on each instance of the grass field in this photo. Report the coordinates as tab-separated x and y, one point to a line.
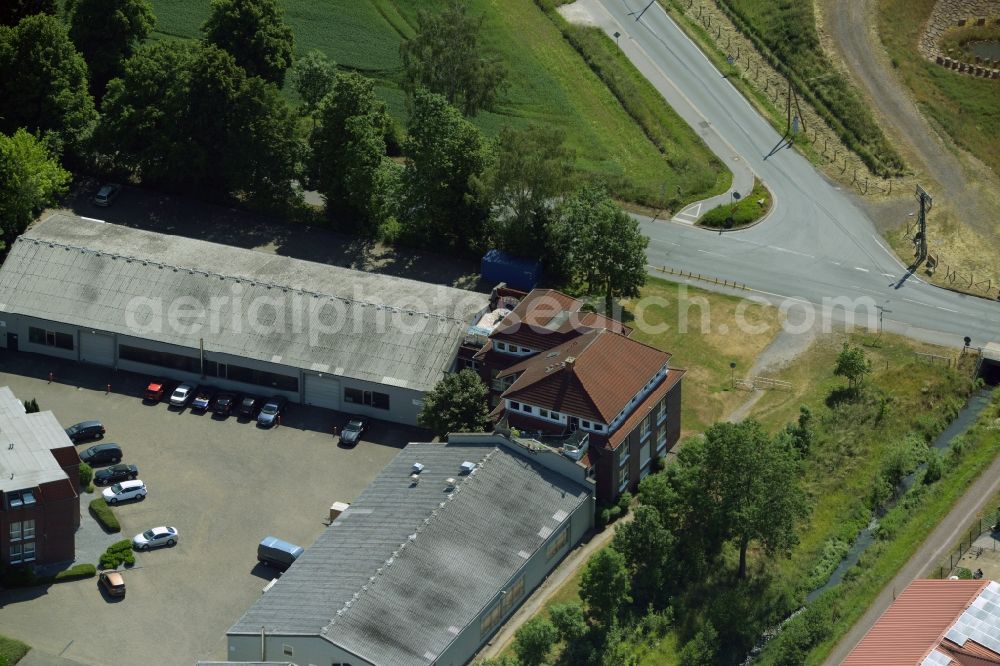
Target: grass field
549	84
704	335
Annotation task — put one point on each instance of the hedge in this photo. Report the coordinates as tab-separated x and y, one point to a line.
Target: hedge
77	572
101	512
120	552
25	577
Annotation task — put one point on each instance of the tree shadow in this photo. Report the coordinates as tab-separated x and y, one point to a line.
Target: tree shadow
842	395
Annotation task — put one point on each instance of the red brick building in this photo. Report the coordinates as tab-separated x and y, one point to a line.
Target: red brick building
574	380
39	487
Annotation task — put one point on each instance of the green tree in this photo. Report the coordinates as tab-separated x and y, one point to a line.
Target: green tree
445	57
534	640
187	116
606	242
30	180
106	33
531	172
443	184
348	146
44	84
255	33
457	403
703	649
569	621
144	127
647	546
853	363
605	586
31	406
745	487
12	11
314	77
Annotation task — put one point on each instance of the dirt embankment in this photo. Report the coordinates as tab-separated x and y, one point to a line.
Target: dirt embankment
960	184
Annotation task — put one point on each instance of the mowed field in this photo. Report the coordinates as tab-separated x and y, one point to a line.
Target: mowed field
548	83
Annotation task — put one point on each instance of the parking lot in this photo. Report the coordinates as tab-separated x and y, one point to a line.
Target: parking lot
224	484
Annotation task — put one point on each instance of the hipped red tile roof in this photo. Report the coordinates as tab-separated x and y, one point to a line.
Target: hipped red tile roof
915	623
592	376
545	318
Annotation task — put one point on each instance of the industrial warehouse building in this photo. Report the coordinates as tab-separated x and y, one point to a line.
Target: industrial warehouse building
162	305
428	562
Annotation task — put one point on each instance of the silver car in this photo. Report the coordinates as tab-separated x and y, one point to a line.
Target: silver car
156	537
182	395
107	194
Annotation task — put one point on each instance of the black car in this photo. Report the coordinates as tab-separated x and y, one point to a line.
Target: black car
202	398
351	433
225	403
249	406
115	473
271	412
84	431
101	454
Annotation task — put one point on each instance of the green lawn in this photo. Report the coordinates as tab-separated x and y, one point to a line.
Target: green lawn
703	334
12	650
750	208
549	84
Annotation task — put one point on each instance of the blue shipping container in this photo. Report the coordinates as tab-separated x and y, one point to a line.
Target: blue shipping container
517	272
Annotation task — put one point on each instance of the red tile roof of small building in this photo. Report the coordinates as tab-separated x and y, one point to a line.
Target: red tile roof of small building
592	376
915	623
546	318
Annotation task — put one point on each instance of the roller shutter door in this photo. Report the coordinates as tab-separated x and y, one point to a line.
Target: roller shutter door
97	348
322	391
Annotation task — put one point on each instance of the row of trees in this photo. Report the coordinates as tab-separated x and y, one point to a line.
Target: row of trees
207	117
734	489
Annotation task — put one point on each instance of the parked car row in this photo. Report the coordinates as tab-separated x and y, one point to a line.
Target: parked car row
267	412
122	484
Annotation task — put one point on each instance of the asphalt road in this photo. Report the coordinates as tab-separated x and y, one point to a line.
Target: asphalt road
816	244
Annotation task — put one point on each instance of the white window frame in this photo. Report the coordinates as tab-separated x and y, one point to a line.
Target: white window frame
15	531
661	442
25	555
28	530
645	427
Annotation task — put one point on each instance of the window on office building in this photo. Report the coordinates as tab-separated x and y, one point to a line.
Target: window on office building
366	398
40	336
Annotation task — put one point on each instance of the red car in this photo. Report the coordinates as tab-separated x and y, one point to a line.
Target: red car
154	391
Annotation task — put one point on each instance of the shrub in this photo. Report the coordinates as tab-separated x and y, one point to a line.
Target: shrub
624	501
103	514
935	468
19	577
31	406
76	572
86	475
120	552
963	573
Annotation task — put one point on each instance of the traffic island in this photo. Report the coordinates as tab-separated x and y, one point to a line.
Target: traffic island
742	212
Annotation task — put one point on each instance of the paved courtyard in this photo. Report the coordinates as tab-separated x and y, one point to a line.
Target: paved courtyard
222	483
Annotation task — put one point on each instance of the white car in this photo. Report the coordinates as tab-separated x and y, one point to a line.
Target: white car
125	490
182	395
156	537
107	194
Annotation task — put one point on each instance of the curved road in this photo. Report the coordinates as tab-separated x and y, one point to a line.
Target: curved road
816	244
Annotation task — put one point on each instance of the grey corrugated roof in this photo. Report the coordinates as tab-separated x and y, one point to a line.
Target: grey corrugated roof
373	327
392	604
26	443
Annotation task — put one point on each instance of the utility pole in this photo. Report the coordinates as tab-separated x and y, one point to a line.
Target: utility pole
925	207
881	313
